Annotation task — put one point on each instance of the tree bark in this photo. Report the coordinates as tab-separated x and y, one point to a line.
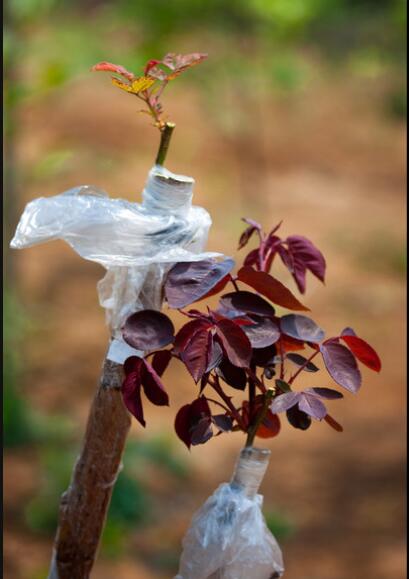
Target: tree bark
84	505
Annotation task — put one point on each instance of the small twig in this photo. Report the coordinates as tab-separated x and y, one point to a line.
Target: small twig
219	404
301	368
259	419
233	281
216	386
166	134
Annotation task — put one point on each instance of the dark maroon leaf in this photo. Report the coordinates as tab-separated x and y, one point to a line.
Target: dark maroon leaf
262	333
160	361
246	236
275	229
270	287
201	432
188	282
232	375
284	401
312	406
324	393
298	419
333	423
252	258
182	424
341	365
235	343
199	408
152	386
195	355
363	351
301	328
263	357
186	333
131	389
132	364
223	422
204	381
300	361
148	330
248	303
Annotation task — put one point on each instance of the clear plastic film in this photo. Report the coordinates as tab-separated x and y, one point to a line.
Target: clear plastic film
137	243
228	537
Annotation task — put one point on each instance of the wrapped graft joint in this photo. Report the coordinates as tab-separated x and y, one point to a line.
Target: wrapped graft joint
136	243
228	537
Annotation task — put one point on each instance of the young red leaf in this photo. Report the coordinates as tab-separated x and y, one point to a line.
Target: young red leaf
235	343
301	328
270	287
116	68
148	330
363	351
270	426
301	255
188	282
341	365
287	344
131	389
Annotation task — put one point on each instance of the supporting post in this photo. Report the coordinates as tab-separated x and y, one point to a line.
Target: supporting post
84	505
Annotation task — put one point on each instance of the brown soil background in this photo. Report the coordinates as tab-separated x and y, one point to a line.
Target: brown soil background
333	168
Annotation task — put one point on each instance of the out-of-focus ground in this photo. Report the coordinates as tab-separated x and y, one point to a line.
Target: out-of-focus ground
328	160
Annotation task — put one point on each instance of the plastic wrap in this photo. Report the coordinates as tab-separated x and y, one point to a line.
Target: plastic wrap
136	243
228	537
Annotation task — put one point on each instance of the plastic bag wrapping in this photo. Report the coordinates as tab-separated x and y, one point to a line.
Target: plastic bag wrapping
136	243
228	537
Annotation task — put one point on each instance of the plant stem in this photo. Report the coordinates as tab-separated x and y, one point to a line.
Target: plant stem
301	368
269	395
216	386
166	134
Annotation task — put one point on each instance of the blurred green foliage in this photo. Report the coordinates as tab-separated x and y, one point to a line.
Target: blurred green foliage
279	525
131	503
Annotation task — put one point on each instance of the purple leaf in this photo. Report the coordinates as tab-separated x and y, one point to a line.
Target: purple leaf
232	375
300	361
312	406
301	328
247	302
152	386
216	356
246	236
324	393
252	223
192	421
148	330
251	258
235	343
304	255
195	355
223	422
186	333
348	332
201	432
284	401
341	365
188	282
262	333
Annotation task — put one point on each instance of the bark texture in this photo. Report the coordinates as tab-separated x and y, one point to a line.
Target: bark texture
84	505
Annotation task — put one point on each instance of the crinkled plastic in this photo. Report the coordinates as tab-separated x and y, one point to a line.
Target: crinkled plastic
136	243
228	537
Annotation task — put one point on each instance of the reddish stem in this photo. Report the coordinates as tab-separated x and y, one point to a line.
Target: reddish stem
301	368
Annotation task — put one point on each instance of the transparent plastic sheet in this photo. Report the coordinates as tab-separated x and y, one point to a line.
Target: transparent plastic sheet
228	537
136	243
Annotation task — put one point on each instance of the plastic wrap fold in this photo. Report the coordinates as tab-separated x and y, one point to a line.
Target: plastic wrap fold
228	537
136	243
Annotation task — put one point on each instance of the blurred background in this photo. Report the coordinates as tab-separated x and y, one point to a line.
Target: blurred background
298	114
